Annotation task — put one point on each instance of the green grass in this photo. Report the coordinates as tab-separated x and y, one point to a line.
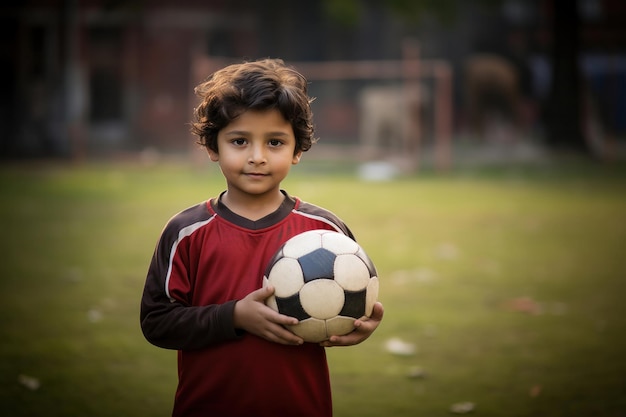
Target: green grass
452	252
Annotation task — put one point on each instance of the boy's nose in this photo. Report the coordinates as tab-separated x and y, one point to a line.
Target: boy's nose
257	155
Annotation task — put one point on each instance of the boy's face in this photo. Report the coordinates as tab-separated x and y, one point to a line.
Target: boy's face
256	152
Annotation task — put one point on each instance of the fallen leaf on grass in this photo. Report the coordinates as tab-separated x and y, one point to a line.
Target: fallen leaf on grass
29	382
462	408
523	305
416	372
399	347
535	390
447	251
94	315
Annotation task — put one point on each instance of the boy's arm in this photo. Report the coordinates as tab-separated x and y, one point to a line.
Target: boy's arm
170	322
172	325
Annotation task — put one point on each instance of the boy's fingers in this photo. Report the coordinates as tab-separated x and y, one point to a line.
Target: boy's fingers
287	320
262	293
378	311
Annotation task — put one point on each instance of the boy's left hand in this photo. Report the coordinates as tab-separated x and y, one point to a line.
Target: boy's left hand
364	327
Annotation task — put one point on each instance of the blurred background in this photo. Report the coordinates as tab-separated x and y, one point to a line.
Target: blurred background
423	82
499	252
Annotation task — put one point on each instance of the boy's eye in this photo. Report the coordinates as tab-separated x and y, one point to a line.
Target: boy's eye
238	142
275	142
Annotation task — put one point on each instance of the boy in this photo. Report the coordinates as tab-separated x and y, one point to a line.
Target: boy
203	294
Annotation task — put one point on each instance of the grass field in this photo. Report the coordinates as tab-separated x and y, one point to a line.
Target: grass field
509	283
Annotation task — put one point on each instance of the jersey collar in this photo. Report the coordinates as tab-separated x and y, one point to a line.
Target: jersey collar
271	219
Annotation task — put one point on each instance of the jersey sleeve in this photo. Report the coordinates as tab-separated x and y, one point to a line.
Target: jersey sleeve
167	319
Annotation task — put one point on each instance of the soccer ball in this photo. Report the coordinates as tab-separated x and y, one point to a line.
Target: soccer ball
325	280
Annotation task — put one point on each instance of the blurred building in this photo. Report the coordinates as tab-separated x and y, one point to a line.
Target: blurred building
96	77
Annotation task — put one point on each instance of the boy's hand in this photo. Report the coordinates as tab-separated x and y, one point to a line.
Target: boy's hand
252	315
364	327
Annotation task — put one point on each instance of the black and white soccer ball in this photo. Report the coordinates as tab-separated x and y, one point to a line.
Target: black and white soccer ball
325	280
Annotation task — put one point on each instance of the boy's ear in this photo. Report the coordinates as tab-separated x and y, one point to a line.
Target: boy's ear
213	155
296	158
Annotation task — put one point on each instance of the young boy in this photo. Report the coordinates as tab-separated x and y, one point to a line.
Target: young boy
203	294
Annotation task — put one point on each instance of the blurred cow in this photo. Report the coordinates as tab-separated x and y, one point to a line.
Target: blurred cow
493	97
390	117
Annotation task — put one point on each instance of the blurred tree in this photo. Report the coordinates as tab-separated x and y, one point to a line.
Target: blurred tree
563	118
348	11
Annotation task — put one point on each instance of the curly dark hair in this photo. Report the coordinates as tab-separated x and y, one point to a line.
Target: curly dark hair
258	85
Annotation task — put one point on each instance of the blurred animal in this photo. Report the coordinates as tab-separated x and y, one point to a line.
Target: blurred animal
493	95
390	117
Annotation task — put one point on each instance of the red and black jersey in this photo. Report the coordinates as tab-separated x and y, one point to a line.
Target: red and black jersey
206	259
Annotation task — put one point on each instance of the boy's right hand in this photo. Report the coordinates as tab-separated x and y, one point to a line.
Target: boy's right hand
252	315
